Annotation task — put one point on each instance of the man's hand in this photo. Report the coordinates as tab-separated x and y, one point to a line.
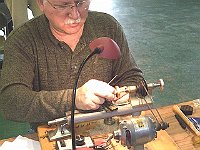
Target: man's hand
123	99
93	94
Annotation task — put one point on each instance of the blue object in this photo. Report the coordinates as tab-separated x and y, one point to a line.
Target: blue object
196	122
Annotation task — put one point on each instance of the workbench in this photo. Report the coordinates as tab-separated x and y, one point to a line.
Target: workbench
172	138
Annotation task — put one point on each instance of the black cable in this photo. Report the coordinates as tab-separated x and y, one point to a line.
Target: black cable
152	101
96	51
163	124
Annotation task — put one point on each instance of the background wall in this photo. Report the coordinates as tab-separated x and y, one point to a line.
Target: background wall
164	38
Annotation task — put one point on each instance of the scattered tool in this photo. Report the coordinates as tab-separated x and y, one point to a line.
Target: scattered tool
189	123
187	109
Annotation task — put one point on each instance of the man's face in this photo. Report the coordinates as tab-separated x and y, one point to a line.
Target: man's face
65	16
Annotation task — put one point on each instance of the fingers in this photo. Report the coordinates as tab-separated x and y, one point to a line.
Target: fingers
93	94
88	101
99	88
103	90
98	100
106	95
96	103
123	99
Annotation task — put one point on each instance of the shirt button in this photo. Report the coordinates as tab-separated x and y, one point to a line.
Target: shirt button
74	67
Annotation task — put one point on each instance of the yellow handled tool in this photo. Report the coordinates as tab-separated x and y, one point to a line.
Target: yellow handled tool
177	111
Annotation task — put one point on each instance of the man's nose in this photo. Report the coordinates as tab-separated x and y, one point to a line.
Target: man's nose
74	13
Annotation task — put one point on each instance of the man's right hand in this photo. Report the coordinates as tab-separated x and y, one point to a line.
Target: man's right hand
93	94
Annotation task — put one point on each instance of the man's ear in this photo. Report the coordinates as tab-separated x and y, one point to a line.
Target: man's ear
40	4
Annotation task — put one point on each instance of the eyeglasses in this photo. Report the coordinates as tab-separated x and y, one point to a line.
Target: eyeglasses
81	5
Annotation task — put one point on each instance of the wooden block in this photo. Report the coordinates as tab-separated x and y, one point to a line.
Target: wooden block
162	142
44	141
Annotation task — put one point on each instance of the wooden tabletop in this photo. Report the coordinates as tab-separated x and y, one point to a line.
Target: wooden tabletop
181	137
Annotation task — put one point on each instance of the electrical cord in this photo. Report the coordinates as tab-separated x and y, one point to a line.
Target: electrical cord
96	51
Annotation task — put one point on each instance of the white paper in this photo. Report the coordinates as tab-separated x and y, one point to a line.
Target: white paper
21	143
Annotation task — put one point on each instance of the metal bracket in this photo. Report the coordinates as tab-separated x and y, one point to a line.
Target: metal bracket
60	132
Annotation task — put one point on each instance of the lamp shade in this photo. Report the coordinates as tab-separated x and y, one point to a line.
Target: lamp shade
109	48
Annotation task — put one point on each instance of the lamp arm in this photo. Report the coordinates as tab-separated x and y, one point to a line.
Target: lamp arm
96	51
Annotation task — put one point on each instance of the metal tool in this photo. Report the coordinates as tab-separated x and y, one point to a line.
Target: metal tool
130	131
136	132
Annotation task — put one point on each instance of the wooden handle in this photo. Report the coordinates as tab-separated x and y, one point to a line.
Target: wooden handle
177	111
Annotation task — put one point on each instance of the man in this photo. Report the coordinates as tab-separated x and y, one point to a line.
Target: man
42	58
19	12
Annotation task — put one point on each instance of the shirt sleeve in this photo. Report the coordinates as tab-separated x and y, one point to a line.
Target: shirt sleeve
126	69
18	100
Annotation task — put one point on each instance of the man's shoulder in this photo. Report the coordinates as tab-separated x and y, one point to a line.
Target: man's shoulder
99	14
36	23
33	26
102	18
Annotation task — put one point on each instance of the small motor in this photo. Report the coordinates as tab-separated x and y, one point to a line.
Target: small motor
136	132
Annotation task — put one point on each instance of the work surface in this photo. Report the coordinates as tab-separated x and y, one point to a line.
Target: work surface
182	138
174	136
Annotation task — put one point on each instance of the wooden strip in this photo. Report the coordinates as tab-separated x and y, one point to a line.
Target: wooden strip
162	142
44	142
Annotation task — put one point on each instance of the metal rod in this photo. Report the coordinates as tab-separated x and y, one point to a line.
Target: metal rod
122	110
